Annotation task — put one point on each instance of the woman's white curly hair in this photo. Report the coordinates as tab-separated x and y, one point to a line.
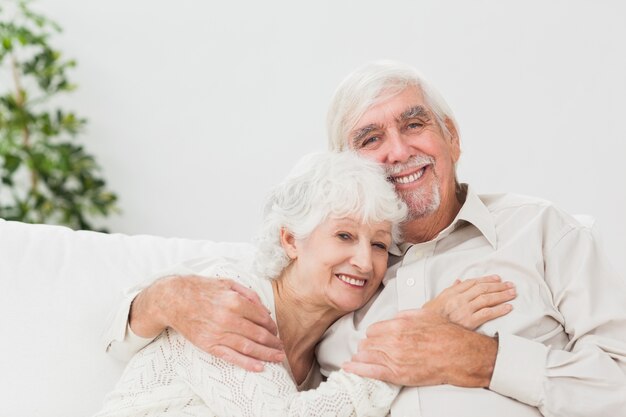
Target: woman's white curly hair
323	185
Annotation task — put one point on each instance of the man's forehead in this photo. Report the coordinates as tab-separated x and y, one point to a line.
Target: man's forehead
406	103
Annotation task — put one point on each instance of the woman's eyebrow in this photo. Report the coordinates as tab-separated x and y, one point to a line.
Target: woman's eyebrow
383	232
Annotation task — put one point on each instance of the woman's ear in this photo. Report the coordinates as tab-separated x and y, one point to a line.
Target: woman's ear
288	242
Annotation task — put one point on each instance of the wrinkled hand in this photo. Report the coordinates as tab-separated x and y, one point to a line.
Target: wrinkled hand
428	346
419	347
218	316
473	302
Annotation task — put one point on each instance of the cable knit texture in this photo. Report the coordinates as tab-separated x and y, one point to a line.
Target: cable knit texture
171	377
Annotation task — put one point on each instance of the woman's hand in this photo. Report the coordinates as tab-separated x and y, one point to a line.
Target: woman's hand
473	302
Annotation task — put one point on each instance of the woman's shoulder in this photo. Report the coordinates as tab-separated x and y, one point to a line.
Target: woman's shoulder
211	265
236	269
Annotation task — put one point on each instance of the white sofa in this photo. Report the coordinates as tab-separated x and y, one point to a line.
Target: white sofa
57	289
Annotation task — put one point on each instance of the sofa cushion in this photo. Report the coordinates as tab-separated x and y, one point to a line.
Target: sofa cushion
58	288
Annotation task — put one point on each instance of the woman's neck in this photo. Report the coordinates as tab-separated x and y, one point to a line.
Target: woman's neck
301	323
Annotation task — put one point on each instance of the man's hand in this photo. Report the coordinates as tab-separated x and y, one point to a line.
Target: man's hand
473	302
419	347
220	317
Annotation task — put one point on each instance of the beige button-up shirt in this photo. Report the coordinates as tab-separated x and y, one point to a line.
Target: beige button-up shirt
562	350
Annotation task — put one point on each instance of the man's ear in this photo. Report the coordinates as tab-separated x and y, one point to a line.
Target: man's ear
288	242
455	142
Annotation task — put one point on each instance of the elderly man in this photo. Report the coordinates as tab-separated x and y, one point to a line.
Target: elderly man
560	352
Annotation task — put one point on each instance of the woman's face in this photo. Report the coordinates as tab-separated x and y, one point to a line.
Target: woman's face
342	263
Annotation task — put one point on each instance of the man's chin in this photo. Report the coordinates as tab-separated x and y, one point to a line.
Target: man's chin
419	213
420	205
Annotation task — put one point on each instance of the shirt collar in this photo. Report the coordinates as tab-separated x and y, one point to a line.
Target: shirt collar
473	211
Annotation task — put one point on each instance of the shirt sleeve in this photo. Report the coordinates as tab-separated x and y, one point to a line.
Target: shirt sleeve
229	390
587	377
119	339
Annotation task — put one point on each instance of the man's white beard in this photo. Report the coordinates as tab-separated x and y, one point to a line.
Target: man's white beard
422	202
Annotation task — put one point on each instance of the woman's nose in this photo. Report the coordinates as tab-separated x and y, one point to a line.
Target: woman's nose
362	258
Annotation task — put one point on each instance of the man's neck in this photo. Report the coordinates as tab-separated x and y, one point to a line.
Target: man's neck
426	228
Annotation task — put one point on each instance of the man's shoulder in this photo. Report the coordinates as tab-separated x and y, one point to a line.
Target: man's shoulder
532	208
504	201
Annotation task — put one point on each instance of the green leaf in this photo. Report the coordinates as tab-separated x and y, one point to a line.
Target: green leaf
12	163
64	183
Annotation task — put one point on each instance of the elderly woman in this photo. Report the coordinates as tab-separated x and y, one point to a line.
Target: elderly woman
322	253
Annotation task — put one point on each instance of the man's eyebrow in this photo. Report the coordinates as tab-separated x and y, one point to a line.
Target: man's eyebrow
415	111
360	133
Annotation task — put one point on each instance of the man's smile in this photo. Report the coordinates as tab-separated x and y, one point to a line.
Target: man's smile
409	178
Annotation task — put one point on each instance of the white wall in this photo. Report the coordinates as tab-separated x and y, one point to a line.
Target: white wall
197	107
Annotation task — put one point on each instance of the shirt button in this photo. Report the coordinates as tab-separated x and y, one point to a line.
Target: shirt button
410	282
418	254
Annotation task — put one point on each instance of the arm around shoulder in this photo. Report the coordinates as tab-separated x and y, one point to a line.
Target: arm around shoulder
120	339
219	316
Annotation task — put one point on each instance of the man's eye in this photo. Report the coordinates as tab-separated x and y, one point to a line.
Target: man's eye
415	125
369	141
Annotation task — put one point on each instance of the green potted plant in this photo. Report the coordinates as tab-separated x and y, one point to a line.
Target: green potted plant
46	176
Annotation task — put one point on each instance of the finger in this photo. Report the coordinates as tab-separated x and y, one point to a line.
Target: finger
366	370
486	288
250	348
484	315
237	359
472	282
373	357
258	314
247	292
259	334
456	287
492	299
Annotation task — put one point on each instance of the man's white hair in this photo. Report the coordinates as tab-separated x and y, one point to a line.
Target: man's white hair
372	84
320	186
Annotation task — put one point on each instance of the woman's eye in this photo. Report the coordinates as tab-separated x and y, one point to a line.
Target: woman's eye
415	125
344	236
380	245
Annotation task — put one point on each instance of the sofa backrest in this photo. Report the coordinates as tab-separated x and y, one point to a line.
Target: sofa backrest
57	289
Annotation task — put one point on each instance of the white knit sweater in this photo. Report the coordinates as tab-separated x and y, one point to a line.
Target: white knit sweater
171	377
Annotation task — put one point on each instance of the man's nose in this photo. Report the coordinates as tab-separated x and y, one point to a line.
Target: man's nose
362	257
398	150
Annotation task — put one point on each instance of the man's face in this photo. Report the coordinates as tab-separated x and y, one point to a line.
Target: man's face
402	133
